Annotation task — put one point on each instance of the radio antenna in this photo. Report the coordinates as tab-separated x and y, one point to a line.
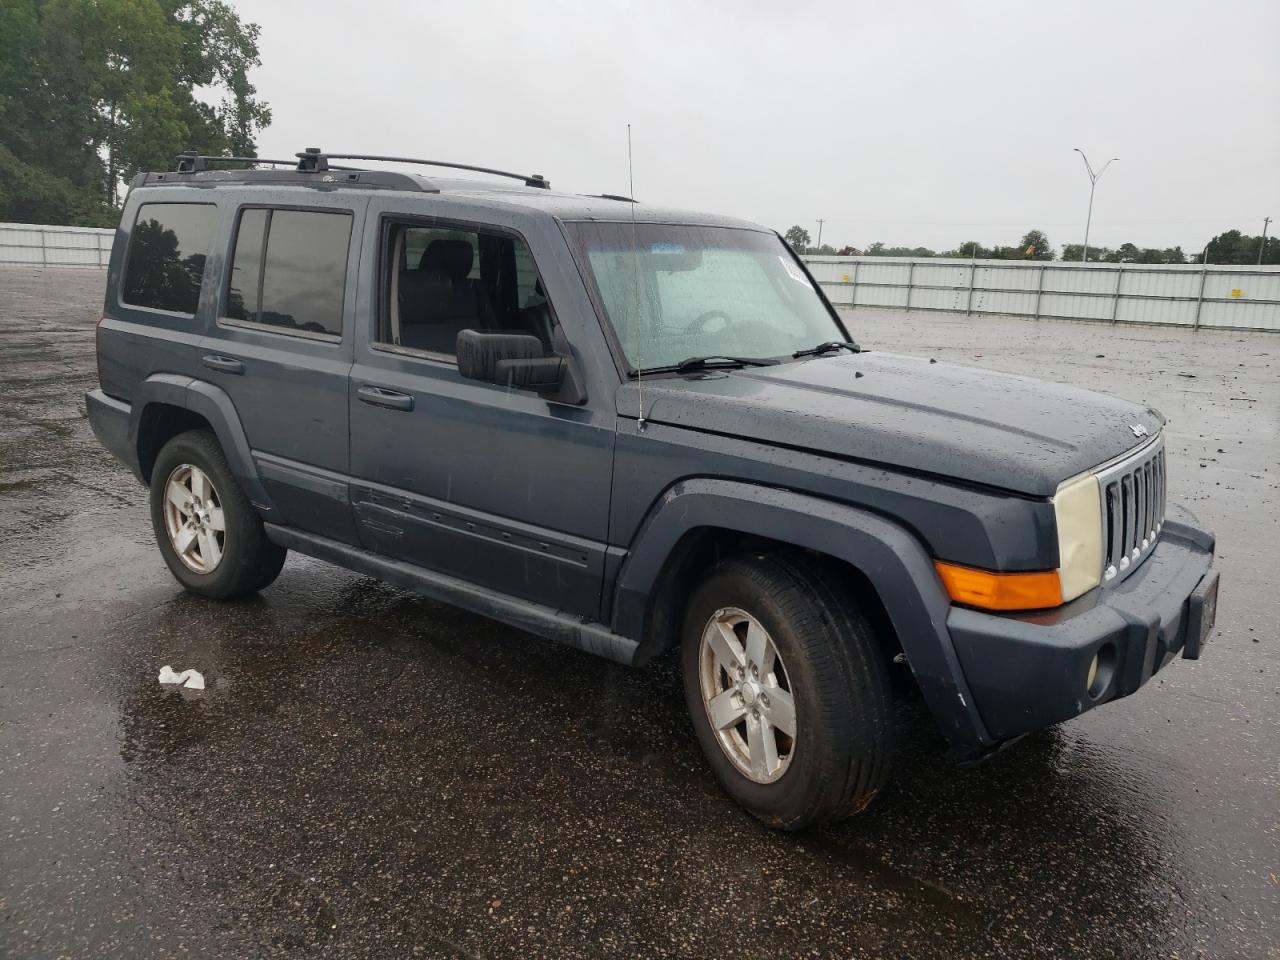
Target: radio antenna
635	266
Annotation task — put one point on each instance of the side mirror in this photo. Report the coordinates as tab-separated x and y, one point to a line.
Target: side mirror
509	359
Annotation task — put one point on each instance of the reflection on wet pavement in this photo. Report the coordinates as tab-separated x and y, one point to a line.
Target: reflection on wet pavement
369	773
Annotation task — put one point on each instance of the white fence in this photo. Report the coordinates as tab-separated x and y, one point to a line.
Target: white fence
1228	297
40	246
1239	298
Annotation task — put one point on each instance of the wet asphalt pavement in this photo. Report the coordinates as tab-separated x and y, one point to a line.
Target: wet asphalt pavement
373	774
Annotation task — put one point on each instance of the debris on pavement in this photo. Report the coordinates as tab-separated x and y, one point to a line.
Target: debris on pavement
190	679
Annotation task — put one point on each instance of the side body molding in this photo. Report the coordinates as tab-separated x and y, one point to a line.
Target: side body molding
215	406
892	559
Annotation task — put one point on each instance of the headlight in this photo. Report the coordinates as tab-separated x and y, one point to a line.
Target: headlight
1077	507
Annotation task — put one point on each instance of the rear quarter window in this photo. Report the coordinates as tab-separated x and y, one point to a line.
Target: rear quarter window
168	247
289	270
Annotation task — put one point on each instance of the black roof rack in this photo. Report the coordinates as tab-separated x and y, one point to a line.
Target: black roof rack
194	168
315	159
192	162
613	196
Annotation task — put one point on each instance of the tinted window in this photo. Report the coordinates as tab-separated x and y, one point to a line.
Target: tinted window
443	280
246	266
289	269
167	250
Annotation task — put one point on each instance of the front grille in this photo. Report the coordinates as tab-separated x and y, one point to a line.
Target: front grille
1133	491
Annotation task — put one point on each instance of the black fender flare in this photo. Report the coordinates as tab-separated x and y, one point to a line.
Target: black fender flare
892	559
214	405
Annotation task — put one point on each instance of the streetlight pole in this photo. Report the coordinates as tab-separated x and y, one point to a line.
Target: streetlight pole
819	243
1266	222
1093	184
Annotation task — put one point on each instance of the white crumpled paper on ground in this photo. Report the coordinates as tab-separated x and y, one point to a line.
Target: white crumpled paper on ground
191	679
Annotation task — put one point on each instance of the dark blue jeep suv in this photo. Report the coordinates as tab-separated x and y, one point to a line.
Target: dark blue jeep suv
627	429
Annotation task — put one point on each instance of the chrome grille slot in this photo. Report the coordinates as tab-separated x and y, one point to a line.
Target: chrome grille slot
1133	501
1148	478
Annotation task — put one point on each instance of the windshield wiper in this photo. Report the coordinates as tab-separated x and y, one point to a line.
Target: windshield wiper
828	347
701	363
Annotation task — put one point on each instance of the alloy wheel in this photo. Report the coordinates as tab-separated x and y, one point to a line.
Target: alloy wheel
193	518
747	695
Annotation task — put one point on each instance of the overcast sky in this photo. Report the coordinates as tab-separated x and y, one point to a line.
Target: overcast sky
911	123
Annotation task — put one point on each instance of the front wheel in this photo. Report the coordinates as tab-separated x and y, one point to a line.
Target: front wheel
788	691
209	534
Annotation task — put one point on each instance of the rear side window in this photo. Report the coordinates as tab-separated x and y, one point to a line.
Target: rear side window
167	251
289	270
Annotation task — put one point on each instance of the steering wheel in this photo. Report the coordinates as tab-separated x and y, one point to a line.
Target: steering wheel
702	319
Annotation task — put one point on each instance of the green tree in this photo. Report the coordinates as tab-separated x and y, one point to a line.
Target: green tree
30	195
1072	252
219	51
22	60
1228	247
94	91
970	249
878	249
1036	246
798	238
1235	247
1125	253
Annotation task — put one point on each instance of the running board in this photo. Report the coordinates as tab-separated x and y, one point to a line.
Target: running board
522	614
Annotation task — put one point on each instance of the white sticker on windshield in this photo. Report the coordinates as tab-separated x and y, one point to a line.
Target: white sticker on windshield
793	269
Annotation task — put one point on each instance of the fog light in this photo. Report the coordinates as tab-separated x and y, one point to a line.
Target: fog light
1101	669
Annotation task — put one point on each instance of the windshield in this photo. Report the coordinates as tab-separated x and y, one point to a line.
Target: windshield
687	291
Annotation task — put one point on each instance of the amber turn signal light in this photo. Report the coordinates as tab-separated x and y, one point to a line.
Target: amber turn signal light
1000	591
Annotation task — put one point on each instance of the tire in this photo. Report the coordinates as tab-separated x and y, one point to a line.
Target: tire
832	671
234	561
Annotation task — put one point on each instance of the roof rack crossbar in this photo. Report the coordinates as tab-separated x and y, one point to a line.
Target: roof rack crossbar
314	160
192	162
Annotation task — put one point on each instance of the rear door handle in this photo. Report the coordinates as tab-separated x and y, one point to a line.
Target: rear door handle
223	364
382	397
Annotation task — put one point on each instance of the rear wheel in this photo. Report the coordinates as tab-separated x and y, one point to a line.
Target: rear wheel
209	534
788	690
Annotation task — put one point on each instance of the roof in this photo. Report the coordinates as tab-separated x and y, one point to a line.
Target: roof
533	194
577	206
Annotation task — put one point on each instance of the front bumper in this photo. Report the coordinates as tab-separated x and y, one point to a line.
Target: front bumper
1027	671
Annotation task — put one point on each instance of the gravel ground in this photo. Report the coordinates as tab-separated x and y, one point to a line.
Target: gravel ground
372	774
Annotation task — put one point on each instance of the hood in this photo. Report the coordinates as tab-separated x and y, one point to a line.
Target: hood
975	425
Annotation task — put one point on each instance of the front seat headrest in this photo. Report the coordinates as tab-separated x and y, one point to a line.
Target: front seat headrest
451	257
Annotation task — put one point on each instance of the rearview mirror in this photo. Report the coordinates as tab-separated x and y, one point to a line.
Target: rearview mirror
673	258
509	360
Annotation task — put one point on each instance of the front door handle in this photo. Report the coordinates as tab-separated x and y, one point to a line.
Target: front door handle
222	364
382	397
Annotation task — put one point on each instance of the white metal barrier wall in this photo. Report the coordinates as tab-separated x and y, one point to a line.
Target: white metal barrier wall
1188	295
35	245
